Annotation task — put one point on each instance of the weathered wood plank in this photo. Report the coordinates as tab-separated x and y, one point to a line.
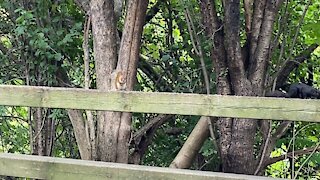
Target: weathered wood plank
60	168
166	103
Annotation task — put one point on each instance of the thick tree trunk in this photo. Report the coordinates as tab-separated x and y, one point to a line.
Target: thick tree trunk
243	72
105	55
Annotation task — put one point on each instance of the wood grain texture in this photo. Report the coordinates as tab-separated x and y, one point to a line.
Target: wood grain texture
166	103
41	167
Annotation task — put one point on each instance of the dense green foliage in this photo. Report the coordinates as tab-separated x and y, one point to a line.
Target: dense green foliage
37	37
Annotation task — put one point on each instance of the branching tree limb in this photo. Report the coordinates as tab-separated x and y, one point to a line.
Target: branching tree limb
143	137
155	121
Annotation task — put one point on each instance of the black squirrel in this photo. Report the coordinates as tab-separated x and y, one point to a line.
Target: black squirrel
303	91
297	90
276	93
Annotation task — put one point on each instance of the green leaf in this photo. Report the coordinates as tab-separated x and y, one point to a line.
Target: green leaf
20	30
165	57
58	56
313	138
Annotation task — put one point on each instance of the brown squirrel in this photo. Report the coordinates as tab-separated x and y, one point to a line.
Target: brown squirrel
120	81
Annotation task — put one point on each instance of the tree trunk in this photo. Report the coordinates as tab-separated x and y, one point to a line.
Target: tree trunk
114	128
240	71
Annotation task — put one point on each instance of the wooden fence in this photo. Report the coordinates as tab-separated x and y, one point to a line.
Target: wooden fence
166	103
41	167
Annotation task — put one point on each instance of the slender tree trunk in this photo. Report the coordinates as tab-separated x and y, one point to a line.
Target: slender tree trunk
191	147
116	71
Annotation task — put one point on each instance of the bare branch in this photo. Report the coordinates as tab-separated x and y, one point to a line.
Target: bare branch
192	145
90	127
144	136
264	151
198	49
154	76
305	161
153	122
301	152
281	130
76	119
298	29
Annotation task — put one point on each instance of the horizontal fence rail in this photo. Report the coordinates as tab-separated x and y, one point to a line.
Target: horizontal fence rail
41	167
165	103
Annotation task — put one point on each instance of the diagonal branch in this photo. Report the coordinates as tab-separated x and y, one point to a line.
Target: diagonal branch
198	49
192	145
143	137
266	138
76	119
281	130
301	152
153	122
291	64
157	79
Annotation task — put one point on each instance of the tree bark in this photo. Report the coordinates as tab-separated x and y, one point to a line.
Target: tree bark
105	56
79	129
114	128
193	144
127	65
236	136
214	30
